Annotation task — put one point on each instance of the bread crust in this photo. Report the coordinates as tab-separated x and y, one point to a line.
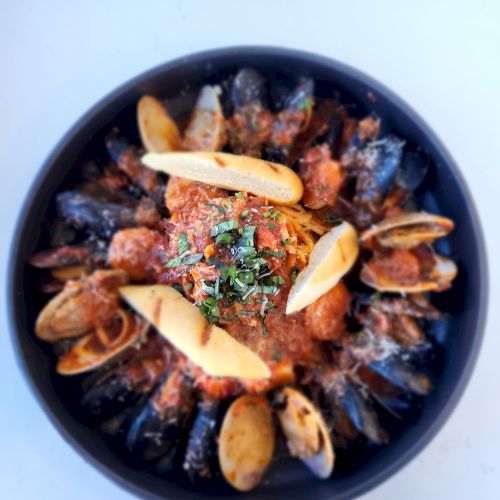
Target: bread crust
275	182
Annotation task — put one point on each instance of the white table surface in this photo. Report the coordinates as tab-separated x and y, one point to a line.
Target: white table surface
57	58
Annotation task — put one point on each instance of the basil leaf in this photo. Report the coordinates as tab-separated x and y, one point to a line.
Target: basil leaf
274	253
192	259
224	239
224	227
183	243
216	207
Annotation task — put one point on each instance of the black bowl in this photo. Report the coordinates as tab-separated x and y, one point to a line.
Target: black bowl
457	340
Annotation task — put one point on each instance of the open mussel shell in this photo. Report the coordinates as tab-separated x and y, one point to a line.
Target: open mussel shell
408	230
246	442
249	87
438	279
66	315
104	343
205	130
158	130
306	431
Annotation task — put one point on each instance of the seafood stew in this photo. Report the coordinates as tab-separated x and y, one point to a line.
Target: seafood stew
359	315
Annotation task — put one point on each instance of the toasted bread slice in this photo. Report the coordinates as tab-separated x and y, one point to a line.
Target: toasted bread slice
272	181
182	324
332	257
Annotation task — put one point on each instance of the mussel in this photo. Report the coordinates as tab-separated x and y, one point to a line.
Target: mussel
345	395
250	126
407	230
158	430
201	444
96	217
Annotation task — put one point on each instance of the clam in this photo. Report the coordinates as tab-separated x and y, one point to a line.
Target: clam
73	311
306	432
436	277
246	442
408	230
104	343
205	130
158	130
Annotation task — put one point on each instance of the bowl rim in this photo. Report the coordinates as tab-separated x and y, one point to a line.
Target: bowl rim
447	407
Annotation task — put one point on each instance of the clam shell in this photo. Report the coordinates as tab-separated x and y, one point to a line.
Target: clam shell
306	432
158	130
88	353
408	230
445	271
246	442
205	130
66	314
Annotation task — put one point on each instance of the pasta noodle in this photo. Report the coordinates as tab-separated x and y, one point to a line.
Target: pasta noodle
302	227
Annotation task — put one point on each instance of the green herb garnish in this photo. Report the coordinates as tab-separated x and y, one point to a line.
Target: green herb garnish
274	253
224	227
238	195
184	260
224	239
183	243
216	207
210	309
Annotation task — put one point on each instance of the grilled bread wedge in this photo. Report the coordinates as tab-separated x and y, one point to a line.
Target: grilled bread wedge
182	324
272	181
331	258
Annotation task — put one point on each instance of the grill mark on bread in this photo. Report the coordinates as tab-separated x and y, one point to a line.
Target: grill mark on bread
274	168
205	335
220	162
157	311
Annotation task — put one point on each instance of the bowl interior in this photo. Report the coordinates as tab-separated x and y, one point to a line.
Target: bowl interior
456	340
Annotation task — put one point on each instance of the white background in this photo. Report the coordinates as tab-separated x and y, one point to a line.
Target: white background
57	58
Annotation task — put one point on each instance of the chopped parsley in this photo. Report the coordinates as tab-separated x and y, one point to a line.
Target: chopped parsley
224	227
184	260
245	275
271	215
216	207
210	309
247	236
274	253
224	239
238	195
183	243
